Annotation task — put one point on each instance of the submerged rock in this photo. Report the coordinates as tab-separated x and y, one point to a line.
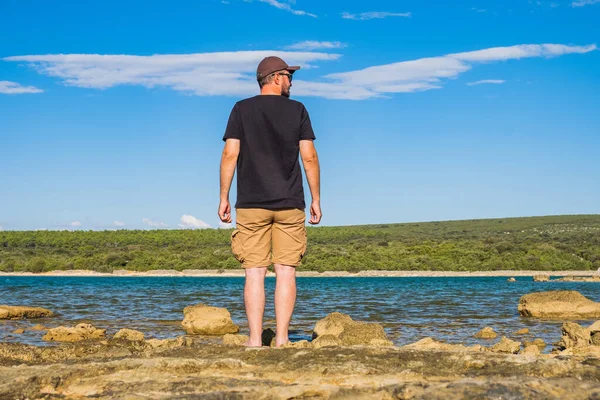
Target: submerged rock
348	332
536	342
486	333
129	334
432	344
38	327
564	304
512	279
574	335
206	320
524	331
541	278
18	331
595	278
79	332
505	345
23	312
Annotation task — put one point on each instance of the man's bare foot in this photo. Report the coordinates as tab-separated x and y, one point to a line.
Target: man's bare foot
250	343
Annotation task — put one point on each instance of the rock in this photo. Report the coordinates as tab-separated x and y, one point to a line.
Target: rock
301	344
587	351
537	342
326	340
574	335
38	327
505	345
541	278
432	344
268	337
486	333
79	332
23	312
595	327
512	279
129	334
18	331
362	333
237	340
170	344
206	320
350	332
332	324
532	350
580	279
596	339
524	331
563	304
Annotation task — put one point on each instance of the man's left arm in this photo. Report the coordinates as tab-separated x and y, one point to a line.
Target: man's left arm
228	165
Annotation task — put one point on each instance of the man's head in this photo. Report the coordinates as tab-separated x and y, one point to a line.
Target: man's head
274	76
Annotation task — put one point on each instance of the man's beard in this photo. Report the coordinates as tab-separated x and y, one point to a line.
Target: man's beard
286	92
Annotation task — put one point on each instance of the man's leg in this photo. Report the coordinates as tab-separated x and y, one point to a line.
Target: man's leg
254	298
289	245
285	299
251	244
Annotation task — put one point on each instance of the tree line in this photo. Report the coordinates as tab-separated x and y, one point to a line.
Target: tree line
569	242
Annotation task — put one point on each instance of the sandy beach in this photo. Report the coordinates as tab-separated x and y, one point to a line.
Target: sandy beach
332	274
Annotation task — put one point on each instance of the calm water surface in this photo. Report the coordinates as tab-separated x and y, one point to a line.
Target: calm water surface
449	309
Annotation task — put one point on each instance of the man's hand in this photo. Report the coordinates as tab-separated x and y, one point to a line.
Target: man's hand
225	211
315	213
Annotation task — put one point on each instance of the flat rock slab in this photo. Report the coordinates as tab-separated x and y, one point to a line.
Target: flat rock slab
23	312
559	304
221	372
79	332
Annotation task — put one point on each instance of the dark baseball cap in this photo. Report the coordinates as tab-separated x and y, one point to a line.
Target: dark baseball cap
272	64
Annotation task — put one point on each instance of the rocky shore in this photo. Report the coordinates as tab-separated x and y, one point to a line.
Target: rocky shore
346	359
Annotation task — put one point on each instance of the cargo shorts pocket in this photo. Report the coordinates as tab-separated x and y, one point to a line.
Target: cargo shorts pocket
236	247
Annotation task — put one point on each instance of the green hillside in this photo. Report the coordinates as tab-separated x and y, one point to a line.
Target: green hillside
570	242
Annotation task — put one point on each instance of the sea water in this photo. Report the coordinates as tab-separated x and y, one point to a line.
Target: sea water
450	309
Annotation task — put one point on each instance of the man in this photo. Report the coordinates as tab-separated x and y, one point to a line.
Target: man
264	135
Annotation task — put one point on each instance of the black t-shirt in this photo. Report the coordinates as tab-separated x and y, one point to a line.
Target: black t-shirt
269	128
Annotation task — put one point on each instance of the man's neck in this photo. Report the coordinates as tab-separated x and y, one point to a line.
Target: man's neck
270	91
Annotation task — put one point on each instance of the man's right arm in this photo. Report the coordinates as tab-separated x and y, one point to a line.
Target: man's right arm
310	160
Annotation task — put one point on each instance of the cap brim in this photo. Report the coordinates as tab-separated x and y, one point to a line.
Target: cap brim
293	68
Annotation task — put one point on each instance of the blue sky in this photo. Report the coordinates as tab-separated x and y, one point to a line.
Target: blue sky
112	113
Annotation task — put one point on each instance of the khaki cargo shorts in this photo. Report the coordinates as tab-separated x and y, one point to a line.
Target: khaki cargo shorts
263	237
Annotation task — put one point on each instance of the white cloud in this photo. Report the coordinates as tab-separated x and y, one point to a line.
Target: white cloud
119	223
374	15
223	225
232	73
427	73
75	224
315	45
581	3
155	224
287	7
492	81
8	87
479	10
189	221
1	228
204	74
